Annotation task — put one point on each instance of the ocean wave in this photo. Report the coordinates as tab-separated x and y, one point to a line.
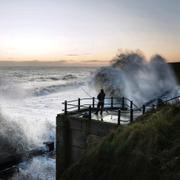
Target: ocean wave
69	77
38	168
12	137
130	75
50	78
42	91
42	78
11	89
53	78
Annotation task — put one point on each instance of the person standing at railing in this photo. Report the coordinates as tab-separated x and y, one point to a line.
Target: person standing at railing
100	105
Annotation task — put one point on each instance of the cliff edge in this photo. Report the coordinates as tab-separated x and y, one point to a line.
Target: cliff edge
145	150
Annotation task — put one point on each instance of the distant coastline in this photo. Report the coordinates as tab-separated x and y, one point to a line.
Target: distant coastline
95	63
60	63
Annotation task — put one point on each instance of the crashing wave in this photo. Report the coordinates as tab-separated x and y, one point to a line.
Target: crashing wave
69	77
12	137
10	89
42	78
130	75
38	168
42	91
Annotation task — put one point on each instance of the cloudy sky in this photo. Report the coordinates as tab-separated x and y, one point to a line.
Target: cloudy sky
85	30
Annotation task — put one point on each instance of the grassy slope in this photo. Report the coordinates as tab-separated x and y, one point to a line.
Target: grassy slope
149	149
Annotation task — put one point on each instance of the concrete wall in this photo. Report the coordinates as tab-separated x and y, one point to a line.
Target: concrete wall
73	135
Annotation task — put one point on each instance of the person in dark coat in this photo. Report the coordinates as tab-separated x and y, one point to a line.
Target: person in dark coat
100	105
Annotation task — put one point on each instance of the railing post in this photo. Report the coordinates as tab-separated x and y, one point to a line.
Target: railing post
119	116
131	104
131	115
93	102
144	109
111	102
122	102
65	107
79	104
89	112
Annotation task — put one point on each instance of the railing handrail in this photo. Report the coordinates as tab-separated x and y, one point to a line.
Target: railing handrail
106	98
71	101
177	97
112	102
125	105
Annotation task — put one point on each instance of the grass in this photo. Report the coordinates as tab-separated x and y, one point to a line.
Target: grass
148	149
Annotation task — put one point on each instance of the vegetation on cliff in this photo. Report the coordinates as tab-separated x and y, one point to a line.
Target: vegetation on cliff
145	150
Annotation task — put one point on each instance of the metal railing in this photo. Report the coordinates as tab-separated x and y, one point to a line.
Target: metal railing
117	105
172	100
109	102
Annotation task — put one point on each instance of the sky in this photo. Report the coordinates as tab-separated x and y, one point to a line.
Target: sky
88	30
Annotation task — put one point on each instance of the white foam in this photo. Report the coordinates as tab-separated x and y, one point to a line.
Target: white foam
35	116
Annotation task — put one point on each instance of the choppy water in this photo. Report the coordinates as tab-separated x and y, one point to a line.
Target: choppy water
30	99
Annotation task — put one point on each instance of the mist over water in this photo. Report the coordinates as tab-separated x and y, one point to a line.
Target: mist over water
39	168
30	99
132	76
12	136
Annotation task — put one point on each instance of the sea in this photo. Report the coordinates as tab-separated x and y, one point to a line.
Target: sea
30	99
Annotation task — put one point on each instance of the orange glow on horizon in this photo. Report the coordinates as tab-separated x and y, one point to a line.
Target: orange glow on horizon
80	59
87	31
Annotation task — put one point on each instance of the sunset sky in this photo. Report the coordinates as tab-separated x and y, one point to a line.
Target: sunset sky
85	30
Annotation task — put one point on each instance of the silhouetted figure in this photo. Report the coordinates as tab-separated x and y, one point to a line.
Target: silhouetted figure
100	105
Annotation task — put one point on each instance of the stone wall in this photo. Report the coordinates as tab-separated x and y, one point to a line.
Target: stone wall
73	135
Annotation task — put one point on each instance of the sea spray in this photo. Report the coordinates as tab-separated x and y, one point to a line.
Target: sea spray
30	100
11	90
38	168
14	100
132	76
12	137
